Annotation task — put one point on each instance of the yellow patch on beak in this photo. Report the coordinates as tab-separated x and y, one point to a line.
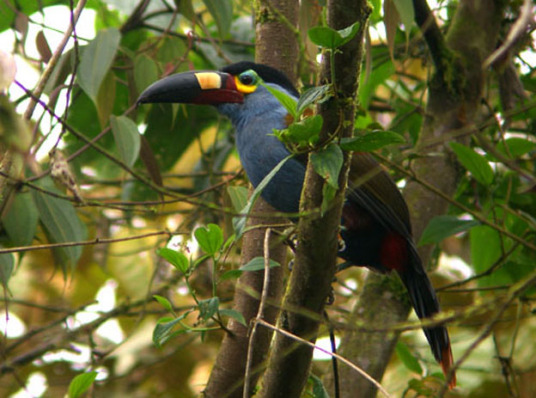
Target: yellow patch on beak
208	80
243	88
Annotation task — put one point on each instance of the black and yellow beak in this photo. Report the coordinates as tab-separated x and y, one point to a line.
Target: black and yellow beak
195	87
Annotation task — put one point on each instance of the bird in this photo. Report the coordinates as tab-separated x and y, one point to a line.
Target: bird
375	223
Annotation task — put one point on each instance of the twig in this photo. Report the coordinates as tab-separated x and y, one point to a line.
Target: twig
342	359
53	61
260	312
96	241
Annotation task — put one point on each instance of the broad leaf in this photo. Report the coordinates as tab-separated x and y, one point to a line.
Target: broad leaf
164	302
239	223
329	38
81	383
127	138
96	60
61	223
163	330
222	12
7	264
175	258
208	308
475	163
327	163
238	195
257	264
371	141
21	219
237	316
145	72
442	227
286	100
210	239
320	93
407	358
515	147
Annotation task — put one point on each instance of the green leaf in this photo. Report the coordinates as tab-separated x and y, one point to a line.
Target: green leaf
145	72
285	99
237	316
486	247
327	37
210	238
96	60
304	132
164	302
442	227
231	274
239	223
407	358
163	330
106	99
208	307
406	13
319	391
20	220
175	258
61	223
257	264
222	12
81	383
515	147
371	141
238	195
475	163
7	264
368	83
127	138
320	93
327	163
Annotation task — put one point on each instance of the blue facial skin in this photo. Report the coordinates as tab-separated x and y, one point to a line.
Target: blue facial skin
260	151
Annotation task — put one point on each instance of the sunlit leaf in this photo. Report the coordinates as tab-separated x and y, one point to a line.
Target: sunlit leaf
210	238
175	258
97	58
81	383
164	302
222	12
127	138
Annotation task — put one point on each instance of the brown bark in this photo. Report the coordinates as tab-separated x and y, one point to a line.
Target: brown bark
314	267
454	98
277	47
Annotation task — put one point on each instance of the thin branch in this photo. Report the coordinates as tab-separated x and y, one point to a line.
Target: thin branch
53	61
96	241
260	313
342	359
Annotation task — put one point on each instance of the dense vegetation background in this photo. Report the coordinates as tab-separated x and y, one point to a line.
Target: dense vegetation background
95	189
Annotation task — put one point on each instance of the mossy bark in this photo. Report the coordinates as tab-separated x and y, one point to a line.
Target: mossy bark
454	100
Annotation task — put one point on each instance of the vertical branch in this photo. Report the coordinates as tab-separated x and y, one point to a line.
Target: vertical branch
277	47
317	247
453	102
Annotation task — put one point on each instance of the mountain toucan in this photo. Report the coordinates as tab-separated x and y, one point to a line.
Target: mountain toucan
375	223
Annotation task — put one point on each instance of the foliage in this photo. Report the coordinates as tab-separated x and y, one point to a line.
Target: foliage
154	235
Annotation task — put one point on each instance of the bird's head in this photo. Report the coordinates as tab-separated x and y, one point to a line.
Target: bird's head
233	84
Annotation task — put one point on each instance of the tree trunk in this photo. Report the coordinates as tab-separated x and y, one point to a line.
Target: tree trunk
454	99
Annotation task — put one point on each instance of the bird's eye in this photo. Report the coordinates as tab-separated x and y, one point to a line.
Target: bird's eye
247	79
